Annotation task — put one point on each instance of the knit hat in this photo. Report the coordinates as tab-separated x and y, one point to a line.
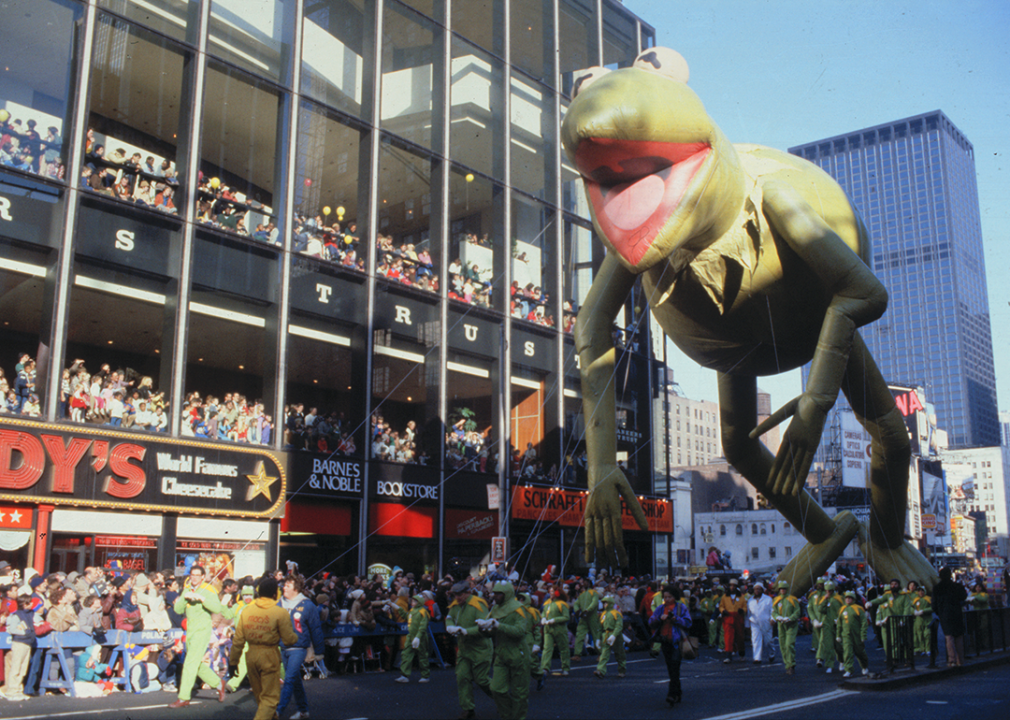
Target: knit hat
460	587
36	581
248	590
141	581
783	585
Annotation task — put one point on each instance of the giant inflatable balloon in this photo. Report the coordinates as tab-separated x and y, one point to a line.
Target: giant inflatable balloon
754	262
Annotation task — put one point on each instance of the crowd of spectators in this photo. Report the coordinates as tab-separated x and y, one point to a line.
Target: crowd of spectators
232	418
224	208
405	264
23	147
314	237
319	432
123	398
129	177
398	446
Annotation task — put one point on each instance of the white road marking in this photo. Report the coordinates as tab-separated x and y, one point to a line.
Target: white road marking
785	706
113	711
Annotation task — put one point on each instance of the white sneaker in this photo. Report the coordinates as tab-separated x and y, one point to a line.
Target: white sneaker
829	670
866	671
422	680
847	675
300	715
403	679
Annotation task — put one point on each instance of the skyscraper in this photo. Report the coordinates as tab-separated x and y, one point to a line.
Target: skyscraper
913	181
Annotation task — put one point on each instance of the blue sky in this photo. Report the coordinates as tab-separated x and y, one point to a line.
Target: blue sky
785	72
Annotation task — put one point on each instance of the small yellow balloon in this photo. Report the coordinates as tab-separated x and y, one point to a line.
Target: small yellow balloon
469	177
215	183
326	210
4	116
340	212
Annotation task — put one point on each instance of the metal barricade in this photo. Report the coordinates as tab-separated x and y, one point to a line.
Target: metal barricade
986	631
899	641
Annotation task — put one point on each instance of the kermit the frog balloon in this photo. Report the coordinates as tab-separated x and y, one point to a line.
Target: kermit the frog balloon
754	262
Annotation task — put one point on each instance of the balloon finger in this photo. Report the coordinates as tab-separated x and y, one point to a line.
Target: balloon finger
775	418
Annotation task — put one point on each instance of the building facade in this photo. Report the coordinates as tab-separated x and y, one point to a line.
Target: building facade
913	182
340	234
987	469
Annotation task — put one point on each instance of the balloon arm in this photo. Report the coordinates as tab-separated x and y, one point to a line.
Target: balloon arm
857	297
594	344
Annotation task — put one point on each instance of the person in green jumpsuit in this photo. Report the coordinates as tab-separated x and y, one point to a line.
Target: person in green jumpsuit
611	638
198	601
536	638
813	609
510	683
587	604
980	601
248	593
717	592
417	641
922	608
708	607
850	631
827	614
555	623
786	615
473	650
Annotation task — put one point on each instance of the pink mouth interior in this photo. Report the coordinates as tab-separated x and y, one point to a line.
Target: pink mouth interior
634	186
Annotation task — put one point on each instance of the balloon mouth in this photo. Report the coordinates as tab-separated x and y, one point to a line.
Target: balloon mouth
635	185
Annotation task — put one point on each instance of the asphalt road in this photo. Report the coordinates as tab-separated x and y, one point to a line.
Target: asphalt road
712	691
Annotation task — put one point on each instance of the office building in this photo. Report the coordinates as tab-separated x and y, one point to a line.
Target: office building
913	181
334	250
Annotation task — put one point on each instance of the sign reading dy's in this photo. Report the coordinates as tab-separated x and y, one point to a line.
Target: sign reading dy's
97	468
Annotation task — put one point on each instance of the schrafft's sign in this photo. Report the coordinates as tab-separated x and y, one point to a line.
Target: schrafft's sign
567	507
98	468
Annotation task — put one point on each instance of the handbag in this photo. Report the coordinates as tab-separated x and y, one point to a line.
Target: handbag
129	621
688	648
43	629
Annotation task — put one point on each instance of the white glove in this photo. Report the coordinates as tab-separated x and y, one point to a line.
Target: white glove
415	643
545	621
610	640
918	612
711	622
818	623
451	629
536	648
461	631
492	624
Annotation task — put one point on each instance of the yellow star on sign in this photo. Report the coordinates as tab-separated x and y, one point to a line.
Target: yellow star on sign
261	483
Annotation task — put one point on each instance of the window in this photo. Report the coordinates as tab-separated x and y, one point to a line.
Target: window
755	553
753	529
771	553
764	529
722	530
789	551
739	529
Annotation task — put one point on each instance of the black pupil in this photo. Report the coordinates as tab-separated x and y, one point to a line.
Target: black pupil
652	58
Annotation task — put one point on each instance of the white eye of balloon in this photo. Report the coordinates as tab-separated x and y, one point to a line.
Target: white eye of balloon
583	78
665	62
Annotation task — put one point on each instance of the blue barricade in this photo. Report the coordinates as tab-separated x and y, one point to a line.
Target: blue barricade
55	643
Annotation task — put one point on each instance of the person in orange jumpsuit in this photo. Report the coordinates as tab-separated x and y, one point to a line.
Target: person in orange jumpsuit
263	626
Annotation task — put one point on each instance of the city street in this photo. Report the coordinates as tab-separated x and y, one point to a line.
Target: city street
712	691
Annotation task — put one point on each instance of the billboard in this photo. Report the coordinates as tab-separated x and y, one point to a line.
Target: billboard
960	486
911	404
856	452
934	502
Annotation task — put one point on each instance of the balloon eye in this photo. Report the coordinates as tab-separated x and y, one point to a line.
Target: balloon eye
665	62
583	78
